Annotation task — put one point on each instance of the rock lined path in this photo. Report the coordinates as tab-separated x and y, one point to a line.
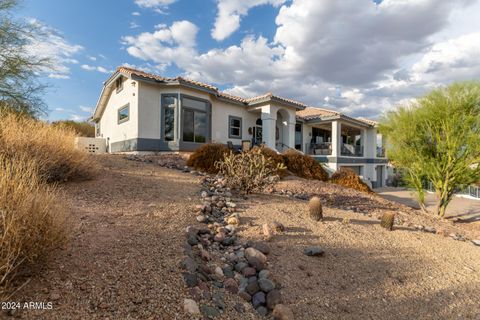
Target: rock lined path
123	260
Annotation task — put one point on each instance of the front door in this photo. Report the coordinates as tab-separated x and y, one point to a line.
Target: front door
257	135
379	170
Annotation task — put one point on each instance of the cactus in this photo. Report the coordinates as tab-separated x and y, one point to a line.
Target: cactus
387	220
315	209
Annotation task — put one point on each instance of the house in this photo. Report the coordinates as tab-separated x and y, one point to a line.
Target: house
142	112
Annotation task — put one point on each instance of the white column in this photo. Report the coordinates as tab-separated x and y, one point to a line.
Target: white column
336	138
269	121
290	138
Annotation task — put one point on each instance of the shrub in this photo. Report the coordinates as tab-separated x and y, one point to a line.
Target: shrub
348	178
387	220
304	166
32	222
82	129
248	171
315	209
274	156
205	157
50	147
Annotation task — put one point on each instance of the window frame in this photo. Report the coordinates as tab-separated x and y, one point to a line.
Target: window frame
230	135
207	112
120	121
119	84
163	116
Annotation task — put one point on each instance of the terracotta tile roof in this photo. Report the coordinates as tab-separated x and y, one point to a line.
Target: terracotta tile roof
311	113
370	122
270	95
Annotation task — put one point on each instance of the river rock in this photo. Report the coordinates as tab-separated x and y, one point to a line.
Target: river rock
191	307
314	251
282	312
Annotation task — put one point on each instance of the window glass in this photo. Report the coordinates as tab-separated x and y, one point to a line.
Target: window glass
235	127
188	128
195	104
123	114
169	105
200	120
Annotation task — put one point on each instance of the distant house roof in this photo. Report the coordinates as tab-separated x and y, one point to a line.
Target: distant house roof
304	112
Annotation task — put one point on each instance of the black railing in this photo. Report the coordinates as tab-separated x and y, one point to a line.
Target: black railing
351	150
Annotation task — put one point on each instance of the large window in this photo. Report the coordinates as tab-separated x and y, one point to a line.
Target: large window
124	113
234	127
169	104
195	120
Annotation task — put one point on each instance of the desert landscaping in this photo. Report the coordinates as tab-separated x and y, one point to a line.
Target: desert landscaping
127	255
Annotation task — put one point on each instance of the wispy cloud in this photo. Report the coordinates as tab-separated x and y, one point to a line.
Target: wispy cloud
95	68
136	14
86	109
157	5
134	25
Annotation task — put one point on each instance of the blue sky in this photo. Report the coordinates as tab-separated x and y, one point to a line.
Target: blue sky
361	57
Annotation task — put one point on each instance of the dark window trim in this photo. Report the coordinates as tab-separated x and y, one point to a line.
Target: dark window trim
231	136
208	112
119	87
162	116
127	106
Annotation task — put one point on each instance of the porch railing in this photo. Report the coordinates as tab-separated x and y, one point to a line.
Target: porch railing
351	150
319	149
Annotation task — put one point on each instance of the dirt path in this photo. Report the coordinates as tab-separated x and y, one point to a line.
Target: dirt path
123	259
367	272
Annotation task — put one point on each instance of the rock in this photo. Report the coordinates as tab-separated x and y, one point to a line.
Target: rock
192	239
239	307
191	307
219	272
195	293
252	253
282	312
229	241
256	263
189	264
240	266
200	207
277	226
209	312
273	298
267	231
228	272
201	218
231	285
430	229
266	285
262	247
190	279
218	300
252	288
262	311
248	272
219	237
258	299
204	194
264	274
245	296
476	242
233	221
314	251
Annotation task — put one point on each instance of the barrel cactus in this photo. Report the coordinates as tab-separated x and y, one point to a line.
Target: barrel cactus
315	209
387	220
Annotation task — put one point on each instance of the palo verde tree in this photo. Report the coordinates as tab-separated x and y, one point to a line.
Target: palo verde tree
437	139
20	90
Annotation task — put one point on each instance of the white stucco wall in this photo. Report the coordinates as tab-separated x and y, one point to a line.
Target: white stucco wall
220	113
110	129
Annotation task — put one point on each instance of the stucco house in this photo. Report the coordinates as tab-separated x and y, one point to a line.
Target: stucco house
142	112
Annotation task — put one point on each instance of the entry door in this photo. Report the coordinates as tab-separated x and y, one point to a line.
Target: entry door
379	170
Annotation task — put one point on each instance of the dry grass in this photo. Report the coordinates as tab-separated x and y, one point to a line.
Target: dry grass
32	221
50	147
304	166
83	129
348	178
205	157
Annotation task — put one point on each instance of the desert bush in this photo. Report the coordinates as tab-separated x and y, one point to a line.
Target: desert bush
248	171
51	148
82	129
348	178
304	166
315	209
205	157
387	220
32	220
274	156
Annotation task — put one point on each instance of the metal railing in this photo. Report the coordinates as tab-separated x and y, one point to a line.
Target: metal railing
319	149
380	152
351	150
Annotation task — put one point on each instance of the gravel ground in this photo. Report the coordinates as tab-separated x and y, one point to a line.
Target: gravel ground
126	246
123	260
367	272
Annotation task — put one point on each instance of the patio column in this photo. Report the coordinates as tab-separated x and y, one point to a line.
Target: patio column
336	138
290	141
269	122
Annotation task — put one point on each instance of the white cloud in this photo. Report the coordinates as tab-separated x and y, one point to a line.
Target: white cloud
76	117
134	25
361	56
92	58
230	12
51	45
94	68
157	5
136	13
59	109
86	109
